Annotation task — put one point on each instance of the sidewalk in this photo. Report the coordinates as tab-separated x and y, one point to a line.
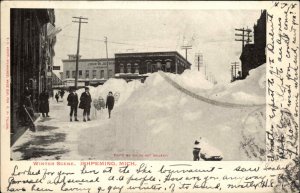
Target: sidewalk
55	137
21	130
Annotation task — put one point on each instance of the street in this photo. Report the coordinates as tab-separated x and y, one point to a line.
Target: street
55	137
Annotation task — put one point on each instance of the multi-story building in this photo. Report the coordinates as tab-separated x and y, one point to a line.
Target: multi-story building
32	53
90	71
254	55
135	65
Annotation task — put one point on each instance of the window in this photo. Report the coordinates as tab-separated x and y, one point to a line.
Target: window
121	68
128	68
73	74
80	73
102	74
110	73
67	74
136	68
94	73
87	74
158	65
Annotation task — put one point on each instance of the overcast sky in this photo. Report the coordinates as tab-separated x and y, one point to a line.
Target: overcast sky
208	31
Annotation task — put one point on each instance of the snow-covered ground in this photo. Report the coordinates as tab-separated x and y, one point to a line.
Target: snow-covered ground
156	120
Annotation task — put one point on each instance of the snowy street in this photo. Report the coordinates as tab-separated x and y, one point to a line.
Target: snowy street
155	121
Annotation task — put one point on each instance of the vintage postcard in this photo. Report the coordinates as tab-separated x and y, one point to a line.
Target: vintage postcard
124	97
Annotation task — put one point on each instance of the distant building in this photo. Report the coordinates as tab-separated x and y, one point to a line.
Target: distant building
254	55
137	65
90	71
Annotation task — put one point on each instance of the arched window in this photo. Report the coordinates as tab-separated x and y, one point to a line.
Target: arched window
148	66
168	65
158	65
128	68
136	68
121	68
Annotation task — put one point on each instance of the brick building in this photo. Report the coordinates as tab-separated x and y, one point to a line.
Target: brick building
254	55
33	36
135	65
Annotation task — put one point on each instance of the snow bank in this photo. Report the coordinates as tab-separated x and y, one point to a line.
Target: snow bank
157	118
191	79
117	86
251	90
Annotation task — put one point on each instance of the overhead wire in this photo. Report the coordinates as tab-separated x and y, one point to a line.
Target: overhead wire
114	42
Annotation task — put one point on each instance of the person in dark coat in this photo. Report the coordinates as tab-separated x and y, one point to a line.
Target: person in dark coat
73	103
110	101
27	92
44	103
56	97
85	103
62	93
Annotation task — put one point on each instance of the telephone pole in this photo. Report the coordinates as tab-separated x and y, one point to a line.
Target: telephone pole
233	72
105	41
78	44
245	36
199	60
186	48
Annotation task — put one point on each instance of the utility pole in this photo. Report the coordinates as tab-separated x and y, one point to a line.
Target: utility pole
232	79
78	44
199	60
186	48
105	41
235	67
243	36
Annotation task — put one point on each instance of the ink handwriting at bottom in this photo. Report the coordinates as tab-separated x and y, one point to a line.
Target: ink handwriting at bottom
266	183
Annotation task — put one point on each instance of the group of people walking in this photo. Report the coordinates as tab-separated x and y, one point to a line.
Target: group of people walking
59	93
85	104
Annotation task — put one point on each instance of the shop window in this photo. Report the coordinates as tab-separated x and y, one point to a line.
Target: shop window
67	74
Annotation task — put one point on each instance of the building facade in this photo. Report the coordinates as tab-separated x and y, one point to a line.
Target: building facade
254	55
133	64
31	56
90	71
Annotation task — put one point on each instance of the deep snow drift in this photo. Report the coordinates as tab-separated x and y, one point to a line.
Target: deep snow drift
158	119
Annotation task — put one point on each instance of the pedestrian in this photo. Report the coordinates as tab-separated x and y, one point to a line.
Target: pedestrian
27	92
73	103
44	103
56	97
110	101
85	103
62	93
28	105
196	150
